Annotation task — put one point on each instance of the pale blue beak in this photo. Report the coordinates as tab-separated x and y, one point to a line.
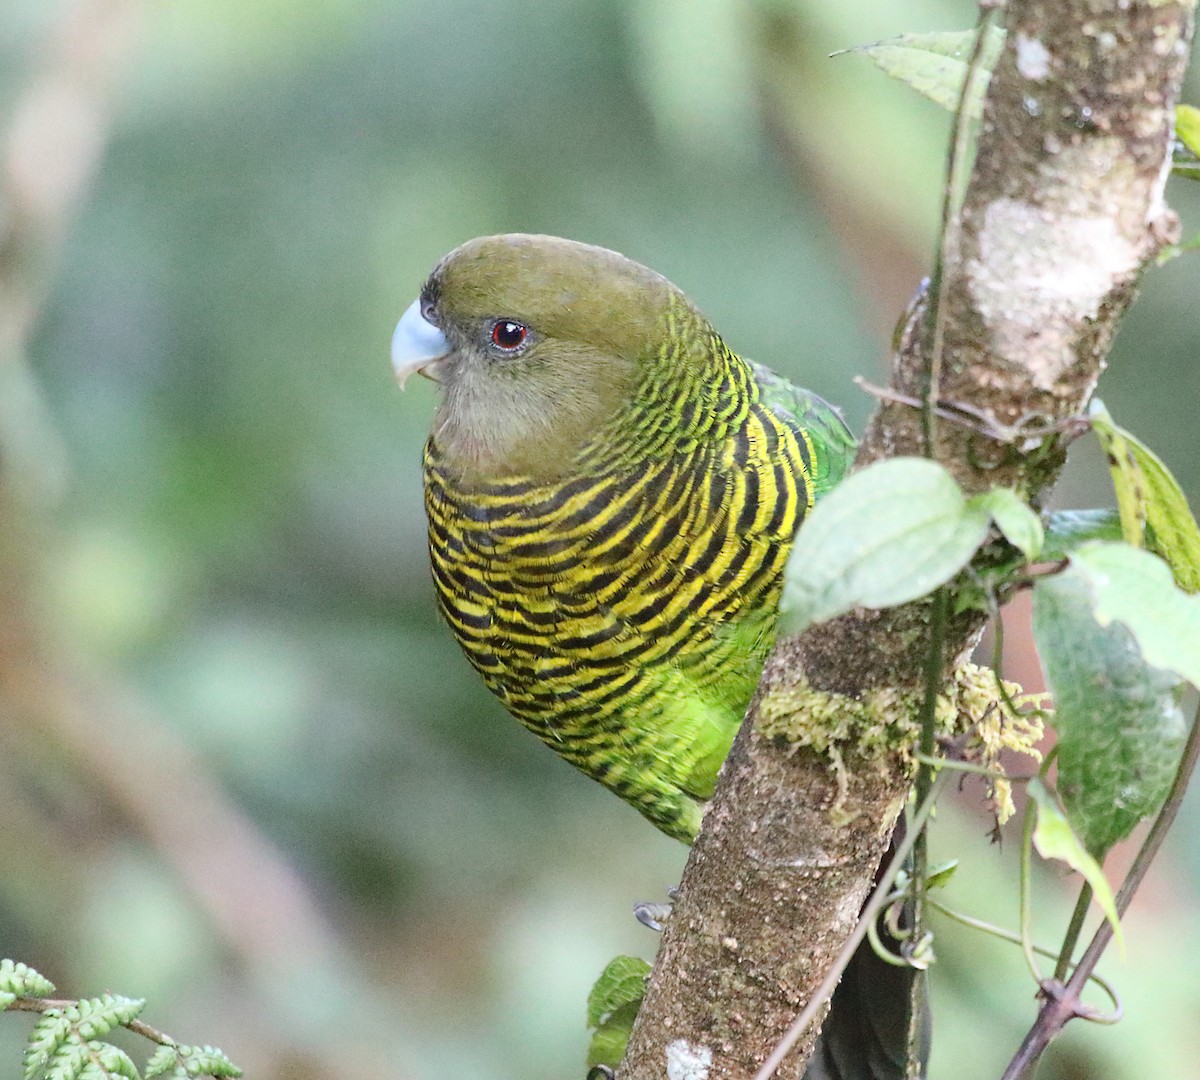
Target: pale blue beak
417	345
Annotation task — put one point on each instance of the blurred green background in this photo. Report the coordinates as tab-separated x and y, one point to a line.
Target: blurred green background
238	751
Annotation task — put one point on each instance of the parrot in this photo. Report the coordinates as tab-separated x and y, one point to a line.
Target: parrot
612	494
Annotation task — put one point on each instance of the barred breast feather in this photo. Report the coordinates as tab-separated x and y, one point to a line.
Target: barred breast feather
623	611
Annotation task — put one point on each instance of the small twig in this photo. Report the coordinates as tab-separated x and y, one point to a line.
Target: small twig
974	770
947	250
1028	578
1030	428
870	912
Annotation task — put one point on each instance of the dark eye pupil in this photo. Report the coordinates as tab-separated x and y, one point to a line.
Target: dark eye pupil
508	334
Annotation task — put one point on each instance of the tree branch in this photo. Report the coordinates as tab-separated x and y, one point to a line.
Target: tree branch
1063	213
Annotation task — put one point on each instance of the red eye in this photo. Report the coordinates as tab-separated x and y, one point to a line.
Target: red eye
508	335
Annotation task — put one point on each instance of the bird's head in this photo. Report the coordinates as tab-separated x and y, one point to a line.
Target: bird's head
538	344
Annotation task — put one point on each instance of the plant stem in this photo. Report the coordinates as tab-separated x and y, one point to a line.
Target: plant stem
933	683
1071	938
957	169
1015	939
1026	889
948	241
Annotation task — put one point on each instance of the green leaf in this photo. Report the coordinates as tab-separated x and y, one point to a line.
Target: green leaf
60	1046
1135	588
1148	495
939	876
1068	529
1054	839
1126	475
622	982
1185	160
1120	727
612	1007
611	1038
182	1062
935	64
1020	525
1187	127
889	534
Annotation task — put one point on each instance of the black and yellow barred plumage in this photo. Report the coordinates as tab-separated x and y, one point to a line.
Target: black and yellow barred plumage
620	597
612	495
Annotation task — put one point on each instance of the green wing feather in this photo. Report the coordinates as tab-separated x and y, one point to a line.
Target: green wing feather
805	411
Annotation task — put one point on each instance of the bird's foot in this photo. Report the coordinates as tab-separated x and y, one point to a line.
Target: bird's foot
655	915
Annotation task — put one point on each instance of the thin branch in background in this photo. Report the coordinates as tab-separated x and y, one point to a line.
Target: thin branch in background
48	156
53	147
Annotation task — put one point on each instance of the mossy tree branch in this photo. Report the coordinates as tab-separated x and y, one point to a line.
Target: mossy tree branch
1063	213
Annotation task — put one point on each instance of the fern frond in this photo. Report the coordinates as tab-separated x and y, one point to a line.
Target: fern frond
164	1060
20	980
66	1040
68	1062
188	1062
108	1062
63	1044
49	1033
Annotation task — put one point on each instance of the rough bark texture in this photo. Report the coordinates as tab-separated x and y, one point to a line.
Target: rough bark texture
1063	212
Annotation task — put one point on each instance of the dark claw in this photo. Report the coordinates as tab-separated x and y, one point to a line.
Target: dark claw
600	1072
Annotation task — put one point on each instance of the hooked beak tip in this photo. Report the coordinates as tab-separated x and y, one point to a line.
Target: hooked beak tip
405	373
417	345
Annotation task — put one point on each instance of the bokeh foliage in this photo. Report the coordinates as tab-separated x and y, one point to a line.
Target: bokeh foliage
237	539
